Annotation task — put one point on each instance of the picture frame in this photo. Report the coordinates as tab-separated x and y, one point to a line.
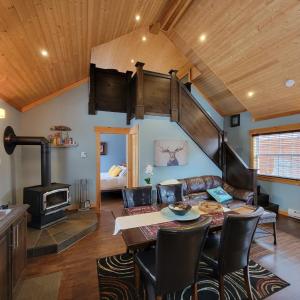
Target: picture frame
235	121
170	153
103	148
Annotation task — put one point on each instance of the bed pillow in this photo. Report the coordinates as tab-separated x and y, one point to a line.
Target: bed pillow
111	169
123	172
115	172
219	194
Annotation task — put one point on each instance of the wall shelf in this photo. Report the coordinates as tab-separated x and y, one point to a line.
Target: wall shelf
64	146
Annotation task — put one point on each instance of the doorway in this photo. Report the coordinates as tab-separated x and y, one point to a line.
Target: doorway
132	156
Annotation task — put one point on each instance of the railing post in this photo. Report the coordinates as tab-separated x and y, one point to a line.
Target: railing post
128	97
92	96
174	96
139	106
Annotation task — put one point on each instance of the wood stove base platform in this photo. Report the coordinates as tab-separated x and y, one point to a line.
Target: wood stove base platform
61	235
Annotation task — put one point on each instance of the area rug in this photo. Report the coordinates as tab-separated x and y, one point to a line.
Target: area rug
116	281
44	287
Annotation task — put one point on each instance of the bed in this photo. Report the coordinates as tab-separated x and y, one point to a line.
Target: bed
109	183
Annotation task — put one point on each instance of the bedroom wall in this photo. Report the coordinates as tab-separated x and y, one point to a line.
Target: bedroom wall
10	165
286	195
116	151
71	109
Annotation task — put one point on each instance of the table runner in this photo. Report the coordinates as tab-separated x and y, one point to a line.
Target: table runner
144	216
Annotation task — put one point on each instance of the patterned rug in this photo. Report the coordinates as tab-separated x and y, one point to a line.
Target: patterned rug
116	281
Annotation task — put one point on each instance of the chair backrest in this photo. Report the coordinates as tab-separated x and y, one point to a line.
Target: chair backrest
236	238
169	193
178	252
137	196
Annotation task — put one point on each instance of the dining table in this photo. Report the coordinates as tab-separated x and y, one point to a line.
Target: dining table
140	237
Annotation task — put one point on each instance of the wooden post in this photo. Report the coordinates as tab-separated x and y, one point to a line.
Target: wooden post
139	107
92	96
128	97
174	96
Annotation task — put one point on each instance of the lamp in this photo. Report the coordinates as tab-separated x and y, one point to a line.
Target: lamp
2	113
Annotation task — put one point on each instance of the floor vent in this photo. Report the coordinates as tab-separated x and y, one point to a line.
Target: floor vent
294	213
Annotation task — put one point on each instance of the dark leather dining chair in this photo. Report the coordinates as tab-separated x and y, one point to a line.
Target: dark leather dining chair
229	251
173	264
137	196
169	193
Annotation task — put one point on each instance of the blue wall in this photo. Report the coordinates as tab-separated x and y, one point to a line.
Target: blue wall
10	165
155	128
286	195
71	109
209	109
116	151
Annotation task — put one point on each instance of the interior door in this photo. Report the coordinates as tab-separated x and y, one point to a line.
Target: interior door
133	157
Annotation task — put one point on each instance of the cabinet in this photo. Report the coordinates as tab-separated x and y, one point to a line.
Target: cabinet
12	250
18	248
4	266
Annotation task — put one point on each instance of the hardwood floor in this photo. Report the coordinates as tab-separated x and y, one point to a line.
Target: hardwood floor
78	263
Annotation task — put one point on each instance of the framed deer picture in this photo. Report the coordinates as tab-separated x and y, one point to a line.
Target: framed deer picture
170	153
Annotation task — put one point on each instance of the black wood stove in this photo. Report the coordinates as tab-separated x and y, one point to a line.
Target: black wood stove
48	200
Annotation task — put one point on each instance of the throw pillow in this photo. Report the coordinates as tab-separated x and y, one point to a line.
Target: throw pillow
111	169
219	194
115	172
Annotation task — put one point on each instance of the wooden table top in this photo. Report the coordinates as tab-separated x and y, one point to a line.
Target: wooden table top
135	239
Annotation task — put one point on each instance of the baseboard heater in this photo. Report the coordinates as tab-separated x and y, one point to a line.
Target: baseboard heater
294	213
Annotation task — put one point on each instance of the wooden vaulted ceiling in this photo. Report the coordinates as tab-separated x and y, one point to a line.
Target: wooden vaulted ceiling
158	53
250	45
67	29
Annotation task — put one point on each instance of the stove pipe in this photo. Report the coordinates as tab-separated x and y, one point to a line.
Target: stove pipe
10	141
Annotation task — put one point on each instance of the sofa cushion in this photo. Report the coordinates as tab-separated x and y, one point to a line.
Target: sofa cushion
239	194
202	183
199	196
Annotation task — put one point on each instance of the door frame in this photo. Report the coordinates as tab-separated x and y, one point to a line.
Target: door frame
132	153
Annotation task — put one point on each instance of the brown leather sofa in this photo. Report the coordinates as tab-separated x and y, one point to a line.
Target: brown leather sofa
194	188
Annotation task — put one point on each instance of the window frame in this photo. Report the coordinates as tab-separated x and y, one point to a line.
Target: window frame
271	130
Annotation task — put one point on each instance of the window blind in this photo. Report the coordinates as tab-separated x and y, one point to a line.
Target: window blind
277	154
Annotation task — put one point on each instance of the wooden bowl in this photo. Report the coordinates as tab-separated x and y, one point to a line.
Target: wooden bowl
179	208
210	207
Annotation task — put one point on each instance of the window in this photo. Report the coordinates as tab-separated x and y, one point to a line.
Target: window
277	154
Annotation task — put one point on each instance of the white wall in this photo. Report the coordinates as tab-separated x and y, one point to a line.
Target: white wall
10	165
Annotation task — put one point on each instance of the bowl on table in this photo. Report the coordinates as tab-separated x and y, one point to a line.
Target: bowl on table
179	208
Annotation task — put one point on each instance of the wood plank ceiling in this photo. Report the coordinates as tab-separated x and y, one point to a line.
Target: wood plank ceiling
67	29
157	52
251	46
248	46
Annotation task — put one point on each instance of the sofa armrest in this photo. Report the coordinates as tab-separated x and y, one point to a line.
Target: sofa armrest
240	194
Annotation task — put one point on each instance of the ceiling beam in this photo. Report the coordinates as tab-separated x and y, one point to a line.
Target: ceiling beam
53	95
170	16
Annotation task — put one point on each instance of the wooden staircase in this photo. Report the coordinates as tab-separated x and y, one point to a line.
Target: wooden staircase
151	93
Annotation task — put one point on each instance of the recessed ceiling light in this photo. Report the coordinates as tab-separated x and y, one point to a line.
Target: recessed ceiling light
290	83
44	53
137	17
144	38
132	61
250	94
202	37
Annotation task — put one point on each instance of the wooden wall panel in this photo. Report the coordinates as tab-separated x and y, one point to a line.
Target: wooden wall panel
196	124
157	94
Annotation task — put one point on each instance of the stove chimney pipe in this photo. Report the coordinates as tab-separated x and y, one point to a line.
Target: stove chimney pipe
10	141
